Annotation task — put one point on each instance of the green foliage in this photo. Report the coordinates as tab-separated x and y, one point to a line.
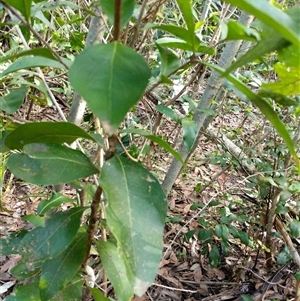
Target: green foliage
112	78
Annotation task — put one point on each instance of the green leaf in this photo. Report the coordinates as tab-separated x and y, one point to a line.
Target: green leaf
277	97
108	7
27	292
72	292
41	52
115	269
50	164
30	62
135	216
36	220
244	238
169	60
205	235
55	201
270	41
10	245
186	10
43	132
58	271
23	6
284	256
162	143
168	112
233	30
289	81
109	81
246	298
97	295
11	102
295	228
265	108
214	257
189	128
183	45
280	21
222	232
46	242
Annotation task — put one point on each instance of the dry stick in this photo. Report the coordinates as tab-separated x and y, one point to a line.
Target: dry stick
37	35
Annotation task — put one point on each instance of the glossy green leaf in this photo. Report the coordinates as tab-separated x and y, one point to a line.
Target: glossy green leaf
27	292
115	269
109	81
55	201
162	143
31	62
168	112
11	102
186	10
23	6
35	220
169	61
265	108
58	271
233	30
98	295
50	164
71	292
214	257
281	22
43	132
295	228
46	242
3	147
189	128
135	216
108	7
41	52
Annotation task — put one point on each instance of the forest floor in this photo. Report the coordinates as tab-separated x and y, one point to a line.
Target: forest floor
206	188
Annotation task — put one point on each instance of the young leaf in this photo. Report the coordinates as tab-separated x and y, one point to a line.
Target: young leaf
169	60
55	201
135	216
58	271
115	269
109	81
108	7
11	102
50	164
43	132
46	242
30	62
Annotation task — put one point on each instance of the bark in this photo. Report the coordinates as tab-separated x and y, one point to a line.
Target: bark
212	92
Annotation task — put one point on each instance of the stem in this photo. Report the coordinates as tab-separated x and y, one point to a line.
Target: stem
92	224
117	20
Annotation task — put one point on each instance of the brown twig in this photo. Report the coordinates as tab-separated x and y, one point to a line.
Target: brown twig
117	20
